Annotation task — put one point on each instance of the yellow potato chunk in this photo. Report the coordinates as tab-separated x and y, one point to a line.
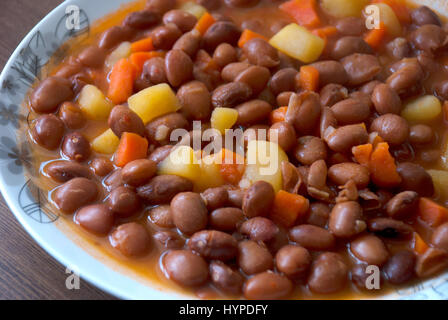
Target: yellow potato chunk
223	118
298	42
264	160
181	162
193	8
93	103
153	102
423	109
121	52
106	143
440	180
210	176
390	20
343	8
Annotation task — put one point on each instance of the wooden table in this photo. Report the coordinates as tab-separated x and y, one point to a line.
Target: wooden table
26	270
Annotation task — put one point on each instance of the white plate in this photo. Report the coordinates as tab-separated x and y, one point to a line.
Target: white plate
20	72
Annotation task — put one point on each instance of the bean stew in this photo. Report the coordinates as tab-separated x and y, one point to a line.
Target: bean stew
354	117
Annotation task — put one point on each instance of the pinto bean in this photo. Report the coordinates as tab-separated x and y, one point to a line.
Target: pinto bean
225	278
95	218
330	72
319	213
160	153
399	48
185	268
215	197
359	275
332	93
329	273
415	178
424	15
160	6
221	32
225	54
122	119
386	100
161	216
113	36
285	135
184	20
261	53
159	130
74	194
428	38
123	201
92	56
293	261
169	239
350	26
310	149
189	212
431	262
179	67
406	77
284	97
254	258
50	92
138	172
346	219
259	229
212	244
303	111
164	37
241	3
255	77
114	179
232	70
189	43
62	171
392	128
402	205
141	20
389	228
440	237
226	219
312	237
131	239
421	134
231	94
76	147
48	131
161	189
350	111
341	173
344	138
253	111
71	115
283	80
258	199
400	267
154	71
195	100
348	45
267	286
370	249
360	68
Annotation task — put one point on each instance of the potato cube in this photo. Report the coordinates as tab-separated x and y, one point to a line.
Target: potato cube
153	102
422	109
181	162
343	8
210	176
93	103
106	143
193	8
390	19
298	42
121	52
440	180
223	118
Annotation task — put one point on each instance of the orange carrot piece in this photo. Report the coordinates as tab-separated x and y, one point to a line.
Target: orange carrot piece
375	37
362	153
288	208
431	212
303	11
325	32
249	35
138	59
142	45
232	166
418	244
383	168
131	147
121	81
309	78
205	22
400	8
278	115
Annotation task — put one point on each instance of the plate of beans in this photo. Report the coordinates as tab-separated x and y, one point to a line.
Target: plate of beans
235	149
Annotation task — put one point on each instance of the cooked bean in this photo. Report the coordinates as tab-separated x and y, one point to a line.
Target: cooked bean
160	153
402	205
241	3
312	237
232	70
348	45
431	262
330	72
360	276
231	94
386	100
360	68
161	189
138	172
184	20
255	77
160	6
62	171
71	115
350	26
310	149
389	228
74	194
225	54
421	134
154	71
143	19
259	229
424	15
260	52
258	199
399	48
253	111
350	111
392	128
189	43
113	36
329	273
161	216
226	219
400	267
346	219
179	67
415	178
304	111
225	278
406	77
221	32
332	93
428	38
440	237
344	138
185	268
254	258
159	130
267	286
122	119
283	134
164	37
369	249
283	80
131	239
95	218
319	213
169	239
293	261
189	212
114	179
342	173
76	147
212	244
123	201
92	56
284	97
48	131
50	92
215	198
